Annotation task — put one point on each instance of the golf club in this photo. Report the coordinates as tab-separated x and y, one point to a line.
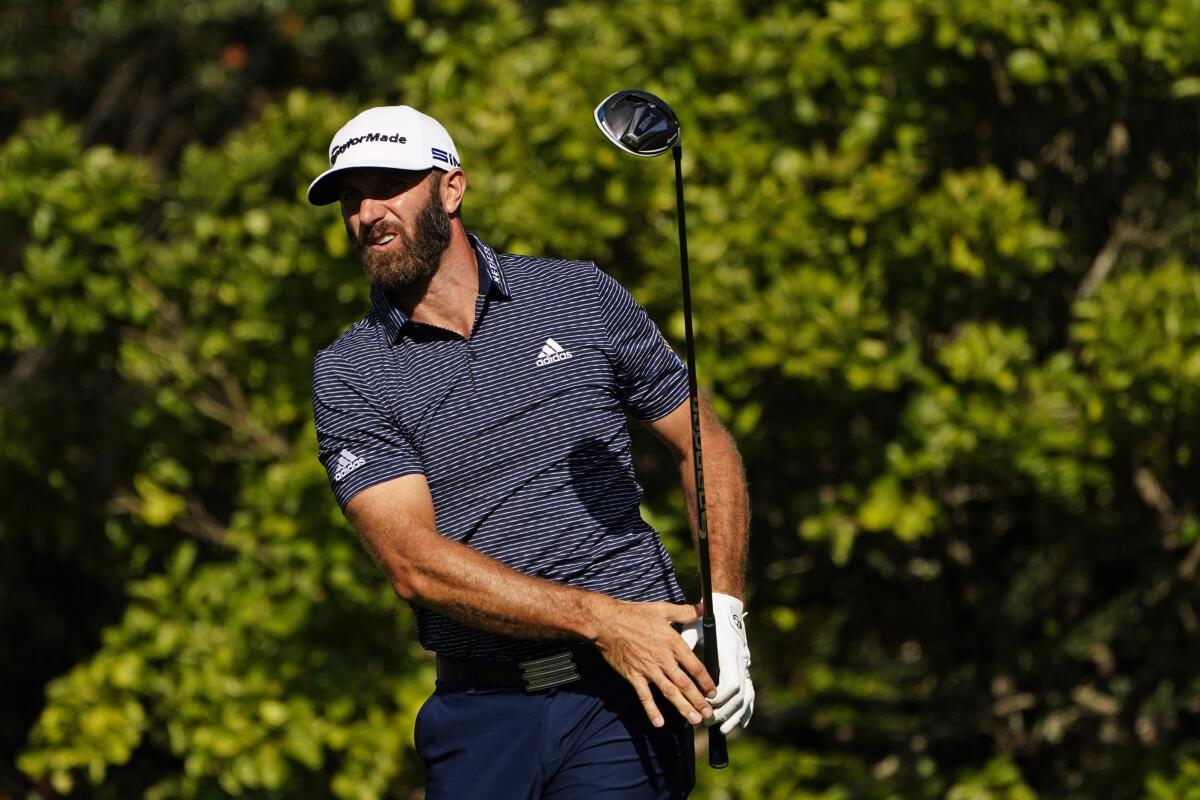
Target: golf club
642	124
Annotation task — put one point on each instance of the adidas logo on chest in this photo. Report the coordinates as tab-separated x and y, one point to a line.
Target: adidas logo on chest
552	351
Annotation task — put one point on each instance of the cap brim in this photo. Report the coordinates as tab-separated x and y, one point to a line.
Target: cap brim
325	189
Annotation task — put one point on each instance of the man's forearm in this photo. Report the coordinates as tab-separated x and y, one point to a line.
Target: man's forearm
726	501
479	591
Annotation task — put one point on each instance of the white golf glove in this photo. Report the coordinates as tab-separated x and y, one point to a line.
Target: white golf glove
734	703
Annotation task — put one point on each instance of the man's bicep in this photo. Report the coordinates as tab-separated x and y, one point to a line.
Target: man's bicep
359	443
650	379
674	429
394	520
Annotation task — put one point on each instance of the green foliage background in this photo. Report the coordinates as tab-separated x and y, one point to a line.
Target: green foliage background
945	260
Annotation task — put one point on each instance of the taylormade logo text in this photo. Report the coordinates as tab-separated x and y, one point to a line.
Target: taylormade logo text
395	138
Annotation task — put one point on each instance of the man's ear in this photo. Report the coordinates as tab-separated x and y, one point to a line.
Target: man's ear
454	186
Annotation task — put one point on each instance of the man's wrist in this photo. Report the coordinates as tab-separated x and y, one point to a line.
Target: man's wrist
730	596
593	610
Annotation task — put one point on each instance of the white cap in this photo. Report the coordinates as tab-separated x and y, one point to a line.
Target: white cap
386	137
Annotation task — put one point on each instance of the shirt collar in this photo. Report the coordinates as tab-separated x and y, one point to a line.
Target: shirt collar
489	266
490	277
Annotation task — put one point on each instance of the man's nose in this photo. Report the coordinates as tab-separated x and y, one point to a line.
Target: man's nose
371	210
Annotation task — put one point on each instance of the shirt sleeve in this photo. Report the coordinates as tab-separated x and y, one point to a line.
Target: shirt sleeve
651	380
357	440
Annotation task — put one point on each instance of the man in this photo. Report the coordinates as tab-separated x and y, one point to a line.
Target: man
474	428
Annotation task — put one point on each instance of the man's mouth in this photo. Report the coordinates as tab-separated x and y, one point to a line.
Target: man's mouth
381	241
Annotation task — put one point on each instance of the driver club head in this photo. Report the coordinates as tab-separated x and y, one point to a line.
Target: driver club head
637	122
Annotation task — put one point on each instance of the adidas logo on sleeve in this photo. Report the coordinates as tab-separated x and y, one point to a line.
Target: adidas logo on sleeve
347	462
552	351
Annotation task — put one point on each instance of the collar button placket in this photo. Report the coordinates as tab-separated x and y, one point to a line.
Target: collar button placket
468	346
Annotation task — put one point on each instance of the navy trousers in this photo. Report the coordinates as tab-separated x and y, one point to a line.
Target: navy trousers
588	739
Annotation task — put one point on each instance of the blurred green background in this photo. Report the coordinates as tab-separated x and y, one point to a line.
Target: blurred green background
945	260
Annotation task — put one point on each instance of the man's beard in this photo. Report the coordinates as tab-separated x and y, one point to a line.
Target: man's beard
409	261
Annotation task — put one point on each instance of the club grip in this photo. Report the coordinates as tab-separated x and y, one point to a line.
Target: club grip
718	751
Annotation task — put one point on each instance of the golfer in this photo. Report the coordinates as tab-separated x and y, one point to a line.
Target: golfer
474	428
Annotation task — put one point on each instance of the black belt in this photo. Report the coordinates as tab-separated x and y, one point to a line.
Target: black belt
532	675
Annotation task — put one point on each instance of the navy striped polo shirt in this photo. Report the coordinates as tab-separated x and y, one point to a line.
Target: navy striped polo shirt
520	430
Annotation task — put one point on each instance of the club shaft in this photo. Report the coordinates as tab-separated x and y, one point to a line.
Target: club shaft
718	753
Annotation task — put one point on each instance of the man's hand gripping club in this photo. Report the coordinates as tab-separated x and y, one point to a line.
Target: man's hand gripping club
733	704
639	642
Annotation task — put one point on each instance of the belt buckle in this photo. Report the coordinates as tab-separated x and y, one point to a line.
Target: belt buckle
549	671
